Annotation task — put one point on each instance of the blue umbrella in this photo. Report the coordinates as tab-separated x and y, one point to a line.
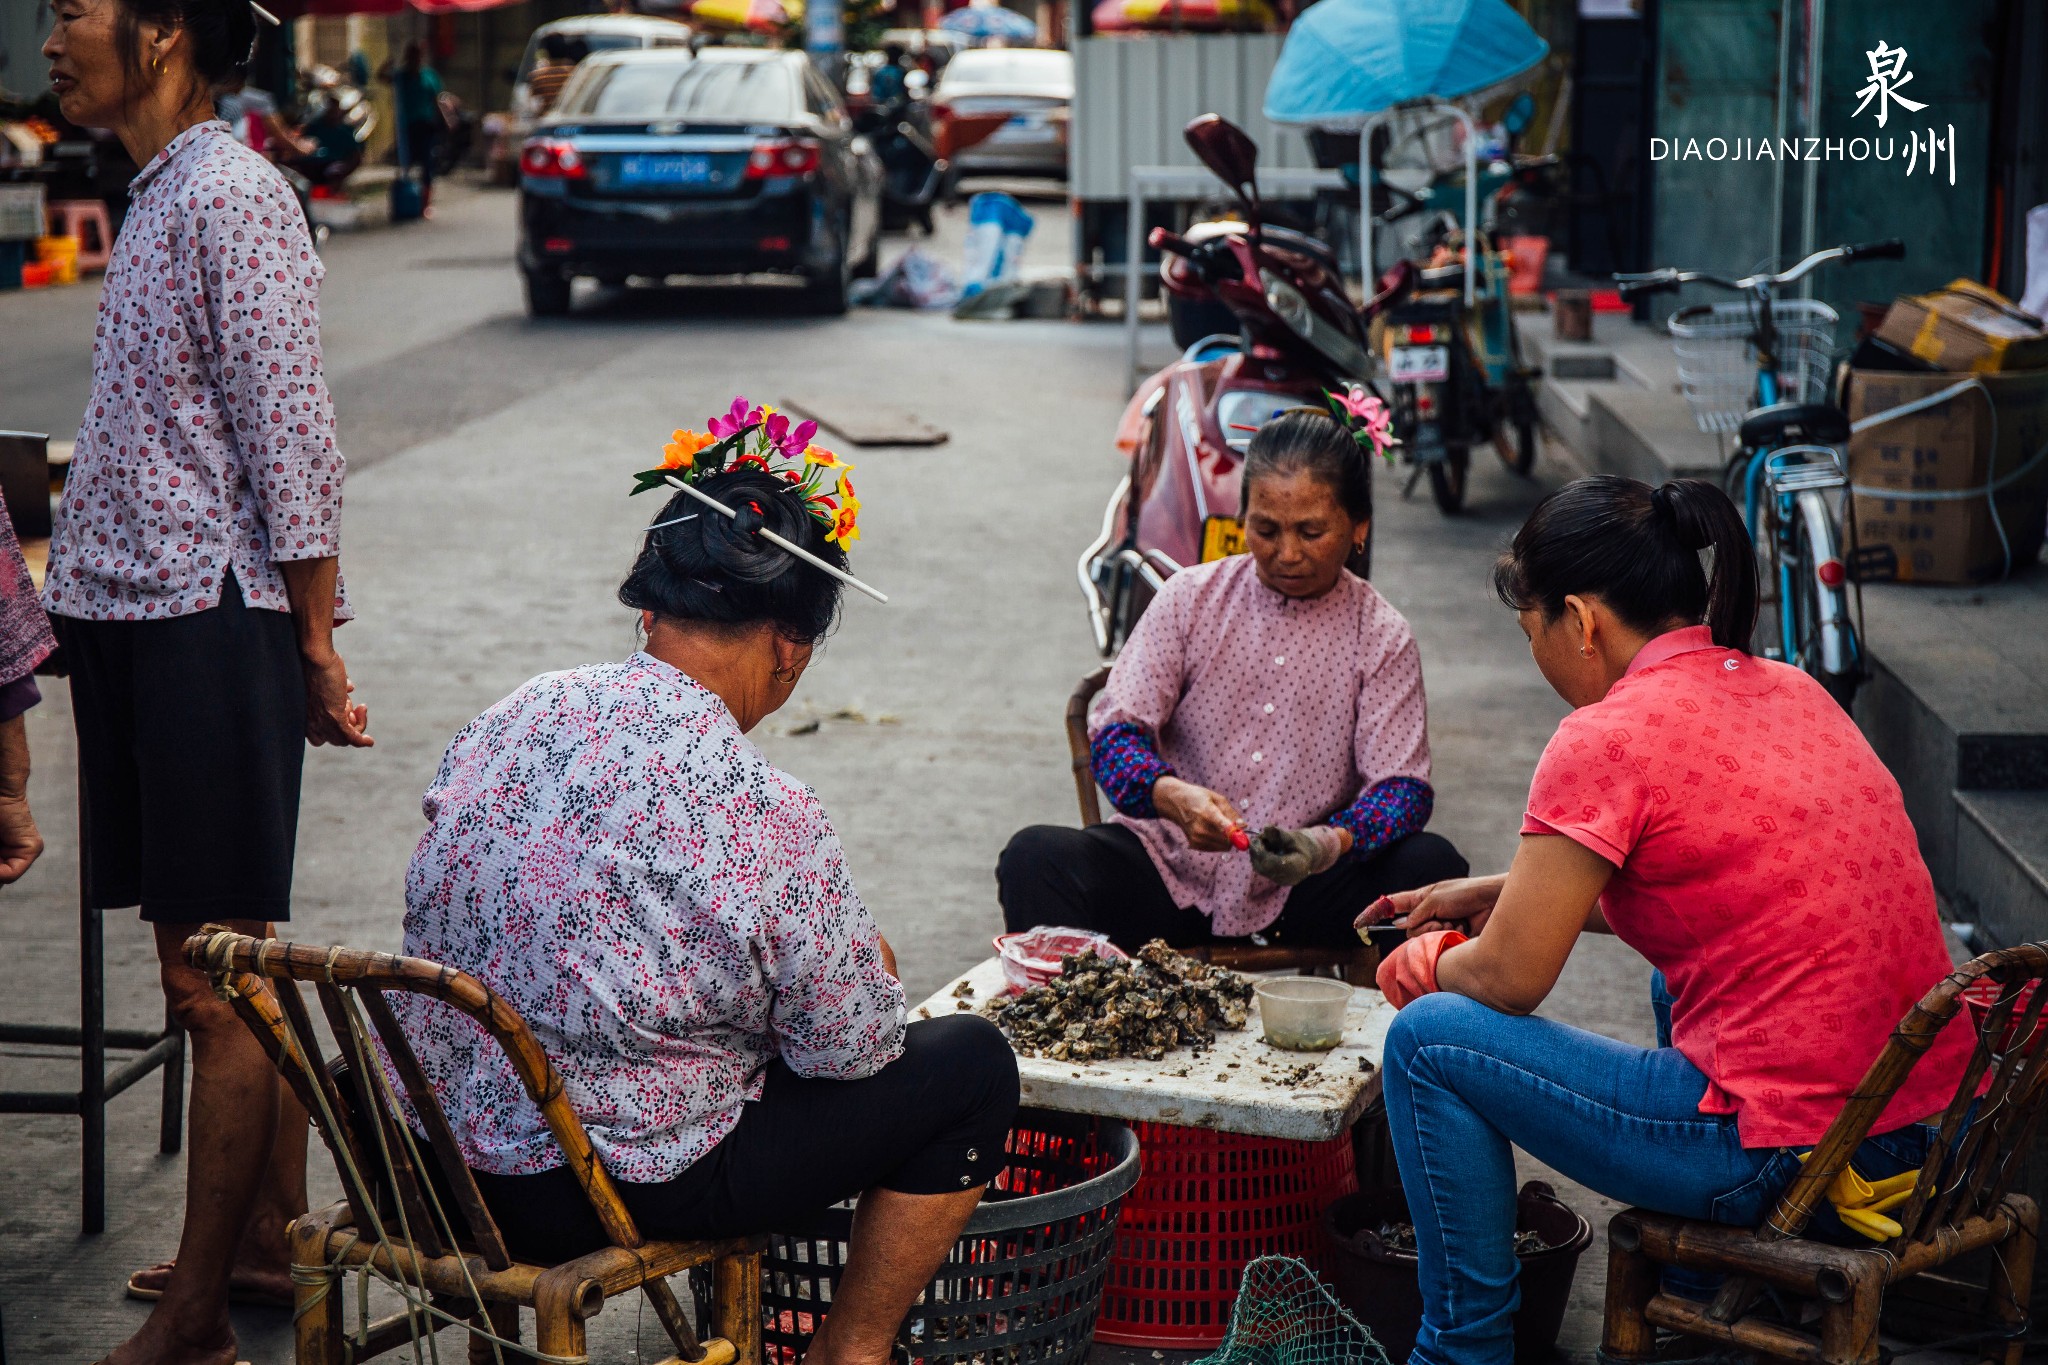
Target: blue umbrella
1346	60
990	21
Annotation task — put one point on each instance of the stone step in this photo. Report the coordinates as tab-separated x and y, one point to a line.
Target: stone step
2002	865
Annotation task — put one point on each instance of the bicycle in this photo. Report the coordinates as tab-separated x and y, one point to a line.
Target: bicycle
1762	369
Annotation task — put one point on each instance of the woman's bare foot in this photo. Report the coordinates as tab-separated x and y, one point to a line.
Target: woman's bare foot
160	1343
261	1286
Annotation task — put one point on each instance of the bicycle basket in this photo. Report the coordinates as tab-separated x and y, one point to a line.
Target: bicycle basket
1717	363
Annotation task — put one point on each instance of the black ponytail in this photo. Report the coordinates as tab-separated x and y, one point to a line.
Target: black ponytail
1310	441
1675	554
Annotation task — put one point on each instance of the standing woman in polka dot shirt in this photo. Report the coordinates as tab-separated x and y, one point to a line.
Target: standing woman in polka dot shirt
195	587
1272	696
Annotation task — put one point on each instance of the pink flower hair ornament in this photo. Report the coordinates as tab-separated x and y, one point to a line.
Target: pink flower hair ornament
1370	421
747	436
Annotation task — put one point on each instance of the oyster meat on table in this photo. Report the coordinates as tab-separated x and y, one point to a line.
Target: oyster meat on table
1145	1006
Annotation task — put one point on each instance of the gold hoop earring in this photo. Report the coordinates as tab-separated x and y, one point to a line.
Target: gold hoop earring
778	675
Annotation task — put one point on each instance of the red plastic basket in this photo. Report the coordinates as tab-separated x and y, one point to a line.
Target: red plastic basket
1207	1205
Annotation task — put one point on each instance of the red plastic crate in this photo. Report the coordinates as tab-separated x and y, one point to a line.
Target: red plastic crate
1207	1205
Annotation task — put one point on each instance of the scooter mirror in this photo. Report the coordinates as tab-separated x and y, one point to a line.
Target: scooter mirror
1225	149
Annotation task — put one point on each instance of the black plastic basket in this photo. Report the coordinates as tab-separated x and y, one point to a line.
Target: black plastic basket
1023	1284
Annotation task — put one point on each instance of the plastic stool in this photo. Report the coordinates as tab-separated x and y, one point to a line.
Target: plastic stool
72	218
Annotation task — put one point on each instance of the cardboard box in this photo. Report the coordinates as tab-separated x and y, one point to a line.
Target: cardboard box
1966	326
1926	534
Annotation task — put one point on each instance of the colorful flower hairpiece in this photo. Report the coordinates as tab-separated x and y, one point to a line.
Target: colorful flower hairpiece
746	436
1368	420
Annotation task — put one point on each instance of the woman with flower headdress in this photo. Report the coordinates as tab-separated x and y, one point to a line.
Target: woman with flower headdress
1272	689
672	914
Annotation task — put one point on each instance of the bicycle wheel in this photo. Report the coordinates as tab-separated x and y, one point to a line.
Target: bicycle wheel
1823	638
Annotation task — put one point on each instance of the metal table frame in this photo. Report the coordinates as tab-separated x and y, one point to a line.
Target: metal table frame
96	1086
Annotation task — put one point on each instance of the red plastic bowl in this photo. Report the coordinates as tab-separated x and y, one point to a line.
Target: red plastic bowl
1032	957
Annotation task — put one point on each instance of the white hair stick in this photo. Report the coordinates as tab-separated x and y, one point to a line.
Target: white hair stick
799	551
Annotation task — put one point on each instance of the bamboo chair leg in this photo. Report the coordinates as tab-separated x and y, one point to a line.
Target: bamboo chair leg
1632	1280
561	1303
503	1320
1848	1330
736	1305
317	1296
2012	1281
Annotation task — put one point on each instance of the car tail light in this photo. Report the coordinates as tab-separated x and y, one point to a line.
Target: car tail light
1831	573
1425	404
1421	336
772	244
547	158
558	246
783	156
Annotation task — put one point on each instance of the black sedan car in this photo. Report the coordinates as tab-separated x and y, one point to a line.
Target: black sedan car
723	161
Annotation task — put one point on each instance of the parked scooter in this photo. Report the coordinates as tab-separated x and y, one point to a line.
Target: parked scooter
1186	429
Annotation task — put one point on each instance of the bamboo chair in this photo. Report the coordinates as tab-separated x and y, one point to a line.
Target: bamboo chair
449	1265
1355	965
1962	1201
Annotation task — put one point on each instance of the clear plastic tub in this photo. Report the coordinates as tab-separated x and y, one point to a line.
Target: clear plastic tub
1303	1013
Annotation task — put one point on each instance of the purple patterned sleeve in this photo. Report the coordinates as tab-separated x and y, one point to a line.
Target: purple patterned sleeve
1127	763
1384	812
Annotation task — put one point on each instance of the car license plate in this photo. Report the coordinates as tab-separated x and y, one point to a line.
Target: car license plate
1419	364
1222	537
646	169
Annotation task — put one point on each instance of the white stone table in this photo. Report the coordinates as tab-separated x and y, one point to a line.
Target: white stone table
1242	1085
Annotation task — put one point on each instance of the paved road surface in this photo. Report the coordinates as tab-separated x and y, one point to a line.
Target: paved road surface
486	533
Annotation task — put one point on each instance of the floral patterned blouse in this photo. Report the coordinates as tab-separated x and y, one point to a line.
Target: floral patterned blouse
208	442
667	910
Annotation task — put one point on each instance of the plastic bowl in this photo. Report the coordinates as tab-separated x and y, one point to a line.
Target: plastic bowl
1303	1013
1033	957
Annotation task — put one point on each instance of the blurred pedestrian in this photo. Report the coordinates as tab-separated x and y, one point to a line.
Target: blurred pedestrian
559	54
25	641
416	97
194	584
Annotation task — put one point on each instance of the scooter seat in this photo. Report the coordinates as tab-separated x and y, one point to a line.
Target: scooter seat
1786	424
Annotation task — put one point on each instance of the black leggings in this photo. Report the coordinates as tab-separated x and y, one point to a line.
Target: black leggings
1101	878
933	1121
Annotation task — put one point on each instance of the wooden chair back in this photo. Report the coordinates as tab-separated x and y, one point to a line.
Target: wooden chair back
366	1129
1077	745
1961	1179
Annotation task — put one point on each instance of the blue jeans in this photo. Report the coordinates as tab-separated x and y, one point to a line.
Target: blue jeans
1466	1084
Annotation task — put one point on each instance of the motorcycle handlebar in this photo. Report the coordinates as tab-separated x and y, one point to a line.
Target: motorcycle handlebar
1655	284
1890	249
1162	240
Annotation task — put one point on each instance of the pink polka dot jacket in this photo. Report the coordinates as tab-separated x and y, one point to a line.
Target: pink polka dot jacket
667	909
1298	710
208	442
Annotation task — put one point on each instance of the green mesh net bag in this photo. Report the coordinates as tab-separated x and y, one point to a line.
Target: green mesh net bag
1284	1315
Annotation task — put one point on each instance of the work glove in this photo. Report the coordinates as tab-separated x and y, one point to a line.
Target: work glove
1409	972
1291	856
1863	1205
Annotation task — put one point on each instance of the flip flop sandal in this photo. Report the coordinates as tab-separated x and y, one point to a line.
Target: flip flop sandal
253	1298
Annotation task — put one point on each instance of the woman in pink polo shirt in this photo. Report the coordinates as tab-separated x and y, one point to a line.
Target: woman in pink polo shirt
1724	817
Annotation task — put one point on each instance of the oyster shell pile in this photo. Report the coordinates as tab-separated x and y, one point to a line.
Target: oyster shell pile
1146	1006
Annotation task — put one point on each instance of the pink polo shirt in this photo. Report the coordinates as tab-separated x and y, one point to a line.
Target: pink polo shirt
1765	864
